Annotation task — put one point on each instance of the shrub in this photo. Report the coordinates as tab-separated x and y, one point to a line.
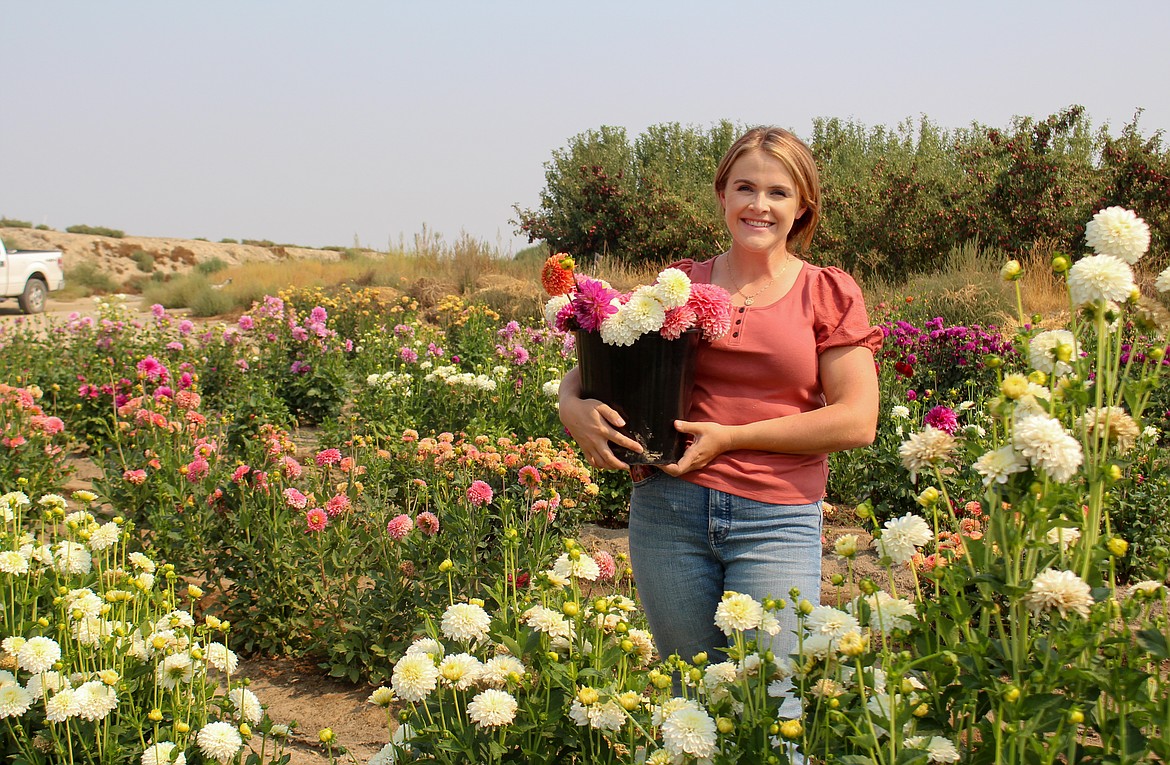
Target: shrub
209	267
87	275
14	223
210	302
144	260
113	233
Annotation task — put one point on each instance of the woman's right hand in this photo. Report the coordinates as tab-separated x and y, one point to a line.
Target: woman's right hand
593	425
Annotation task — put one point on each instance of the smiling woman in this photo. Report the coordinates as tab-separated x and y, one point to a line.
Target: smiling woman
790	382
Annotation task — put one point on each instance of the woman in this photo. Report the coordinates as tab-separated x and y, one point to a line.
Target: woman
793	380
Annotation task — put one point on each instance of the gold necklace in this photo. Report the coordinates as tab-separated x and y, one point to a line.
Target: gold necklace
749	299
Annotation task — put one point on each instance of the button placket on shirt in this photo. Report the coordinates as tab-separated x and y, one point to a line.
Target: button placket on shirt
735	336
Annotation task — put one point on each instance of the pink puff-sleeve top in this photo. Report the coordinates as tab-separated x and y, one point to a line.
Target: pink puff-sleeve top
767	366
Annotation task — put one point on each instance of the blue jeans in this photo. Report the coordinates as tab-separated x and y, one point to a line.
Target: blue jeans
688	544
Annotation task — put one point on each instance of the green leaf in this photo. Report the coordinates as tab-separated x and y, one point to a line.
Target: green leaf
1154	641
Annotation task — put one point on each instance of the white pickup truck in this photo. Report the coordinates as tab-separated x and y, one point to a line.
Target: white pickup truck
29	275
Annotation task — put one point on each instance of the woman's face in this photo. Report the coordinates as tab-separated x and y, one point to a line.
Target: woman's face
760	203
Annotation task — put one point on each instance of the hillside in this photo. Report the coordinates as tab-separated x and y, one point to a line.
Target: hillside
119	258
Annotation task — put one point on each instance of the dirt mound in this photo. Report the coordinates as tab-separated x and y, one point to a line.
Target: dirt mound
122	258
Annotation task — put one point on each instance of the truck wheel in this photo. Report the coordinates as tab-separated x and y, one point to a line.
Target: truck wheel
32	300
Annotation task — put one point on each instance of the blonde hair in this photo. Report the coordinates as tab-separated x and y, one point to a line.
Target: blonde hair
797	159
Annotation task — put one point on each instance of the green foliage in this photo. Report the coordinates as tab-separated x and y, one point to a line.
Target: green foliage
85	274
895	200
113	233
190	290
604	197
536	253
144	260
14	223
209	267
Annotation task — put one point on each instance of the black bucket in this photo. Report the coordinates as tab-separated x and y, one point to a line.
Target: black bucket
648	383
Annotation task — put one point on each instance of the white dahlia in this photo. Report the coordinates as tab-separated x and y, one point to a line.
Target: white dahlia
1111	423
1064	536
737	612
460	671
1100	278
673	288
1162	283
95	700
221	657
689	731
619	330
1045	347
246	705
105	536
1063	591
927	447
901	537
938	749
38	654
998	465
826	620
582	566
1118	232
15	700
219	741
645	311
553	307
1047	446
492	708
465	622
13	563
887	613
499	669
414	677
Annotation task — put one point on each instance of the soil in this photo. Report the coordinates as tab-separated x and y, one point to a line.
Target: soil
119	257
298	690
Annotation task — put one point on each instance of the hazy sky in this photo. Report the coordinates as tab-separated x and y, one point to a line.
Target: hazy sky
317	122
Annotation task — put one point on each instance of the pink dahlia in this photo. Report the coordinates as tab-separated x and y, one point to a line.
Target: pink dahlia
606	565
712	306
593	304
399	526
188	400
337	505
328	457
316	520
294	498
479	493
943	418
134	477
428	523
197	469
292	468
152	369
678	320
529	477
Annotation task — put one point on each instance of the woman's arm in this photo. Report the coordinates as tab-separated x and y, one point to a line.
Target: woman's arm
592	424
848	419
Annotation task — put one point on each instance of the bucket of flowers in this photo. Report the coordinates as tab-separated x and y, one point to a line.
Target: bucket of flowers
637	350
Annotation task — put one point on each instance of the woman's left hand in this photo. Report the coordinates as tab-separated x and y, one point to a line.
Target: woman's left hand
708	441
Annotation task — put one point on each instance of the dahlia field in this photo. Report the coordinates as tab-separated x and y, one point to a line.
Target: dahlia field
384	487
